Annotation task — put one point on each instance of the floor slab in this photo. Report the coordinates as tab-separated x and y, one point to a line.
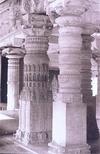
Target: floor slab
8	121
9	146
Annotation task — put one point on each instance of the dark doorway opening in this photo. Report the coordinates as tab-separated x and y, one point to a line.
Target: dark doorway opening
4	70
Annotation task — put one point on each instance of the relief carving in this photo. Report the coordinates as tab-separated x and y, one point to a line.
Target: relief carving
34	6
26	5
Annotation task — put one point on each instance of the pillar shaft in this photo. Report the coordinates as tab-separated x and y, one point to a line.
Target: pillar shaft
69	113
13	84
36	127
13	56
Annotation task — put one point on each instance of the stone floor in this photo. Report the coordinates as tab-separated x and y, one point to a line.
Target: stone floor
8	122
7	146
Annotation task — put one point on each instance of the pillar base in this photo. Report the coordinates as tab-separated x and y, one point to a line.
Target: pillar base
19	135
33	137
70	149
37	138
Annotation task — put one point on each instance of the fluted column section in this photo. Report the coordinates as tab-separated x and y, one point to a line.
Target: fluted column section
35	108
13	55
69	112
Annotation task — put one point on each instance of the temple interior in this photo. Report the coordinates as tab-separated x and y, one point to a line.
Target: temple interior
49	76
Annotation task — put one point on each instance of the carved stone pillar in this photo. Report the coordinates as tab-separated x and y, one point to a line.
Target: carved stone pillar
35	108
13	55
69	112
92	131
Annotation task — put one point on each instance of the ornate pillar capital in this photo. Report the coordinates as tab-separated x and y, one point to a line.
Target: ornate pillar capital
33	6
37	25
13	52
64	21
66	7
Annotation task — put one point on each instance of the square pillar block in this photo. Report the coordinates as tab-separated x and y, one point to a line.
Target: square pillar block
69	129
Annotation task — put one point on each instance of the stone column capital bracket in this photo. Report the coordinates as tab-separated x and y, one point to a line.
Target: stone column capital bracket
14	52
67	7
38	25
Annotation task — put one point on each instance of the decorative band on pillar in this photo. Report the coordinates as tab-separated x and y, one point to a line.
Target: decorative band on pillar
32	41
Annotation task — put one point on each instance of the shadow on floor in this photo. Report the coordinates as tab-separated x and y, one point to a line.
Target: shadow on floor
95	146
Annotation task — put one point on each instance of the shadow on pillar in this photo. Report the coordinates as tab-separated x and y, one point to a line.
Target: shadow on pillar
92	128
53	72
4	69
21	74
